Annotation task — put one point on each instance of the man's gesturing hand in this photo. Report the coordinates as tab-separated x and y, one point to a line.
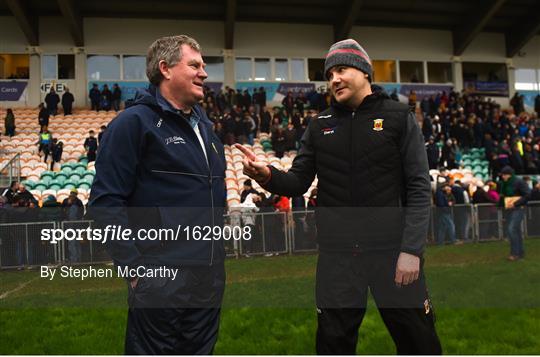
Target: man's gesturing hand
407	269
255	169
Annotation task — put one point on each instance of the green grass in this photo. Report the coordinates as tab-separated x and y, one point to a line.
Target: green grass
483	304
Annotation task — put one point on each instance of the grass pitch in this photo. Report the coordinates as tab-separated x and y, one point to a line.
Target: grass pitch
483	305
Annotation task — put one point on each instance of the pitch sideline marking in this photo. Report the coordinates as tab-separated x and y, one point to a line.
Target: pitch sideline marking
21	286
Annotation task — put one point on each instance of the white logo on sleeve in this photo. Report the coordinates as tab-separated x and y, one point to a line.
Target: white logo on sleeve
175	140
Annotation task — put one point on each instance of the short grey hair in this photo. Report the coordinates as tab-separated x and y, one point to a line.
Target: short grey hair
168	49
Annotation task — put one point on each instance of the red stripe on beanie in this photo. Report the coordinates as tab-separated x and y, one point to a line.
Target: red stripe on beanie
349	50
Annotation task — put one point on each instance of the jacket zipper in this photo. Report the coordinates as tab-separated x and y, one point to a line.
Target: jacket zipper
352	158
183	173
179	173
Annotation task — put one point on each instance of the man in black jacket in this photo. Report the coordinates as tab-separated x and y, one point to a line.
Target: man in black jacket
52	99
373	208
67	101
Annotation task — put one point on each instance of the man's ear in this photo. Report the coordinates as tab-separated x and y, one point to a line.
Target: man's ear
164	69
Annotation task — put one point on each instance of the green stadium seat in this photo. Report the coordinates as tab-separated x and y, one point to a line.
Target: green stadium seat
50	174
29	184
69	185
67	170
84	186
80	170
62	174
40	187
87	181
45	181
55	187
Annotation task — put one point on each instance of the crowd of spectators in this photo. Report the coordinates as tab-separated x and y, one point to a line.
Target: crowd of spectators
18	205
452	124
239	116
105	99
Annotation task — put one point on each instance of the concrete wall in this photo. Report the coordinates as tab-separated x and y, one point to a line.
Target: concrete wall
133	36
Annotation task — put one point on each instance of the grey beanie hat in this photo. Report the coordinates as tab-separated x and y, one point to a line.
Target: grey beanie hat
348	53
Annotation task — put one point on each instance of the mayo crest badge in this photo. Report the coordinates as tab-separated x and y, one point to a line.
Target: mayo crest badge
377	124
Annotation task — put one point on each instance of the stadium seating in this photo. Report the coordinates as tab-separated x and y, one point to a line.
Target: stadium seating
75	172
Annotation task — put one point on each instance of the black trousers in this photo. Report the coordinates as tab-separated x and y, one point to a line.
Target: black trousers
171	331
179	316
342	289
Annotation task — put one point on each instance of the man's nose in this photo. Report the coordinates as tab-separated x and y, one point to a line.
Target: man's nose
335	80
203	74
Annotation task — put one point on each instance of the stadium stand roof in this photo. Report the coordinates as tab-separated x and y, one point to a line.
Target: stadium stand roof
519	20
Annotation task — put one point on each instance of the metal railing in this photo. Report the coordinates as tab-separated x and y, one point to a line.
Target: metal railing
11	171
272	233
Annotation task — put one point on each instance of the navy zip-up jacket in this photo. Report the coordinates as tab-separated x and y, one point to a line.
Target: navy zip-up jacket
151	172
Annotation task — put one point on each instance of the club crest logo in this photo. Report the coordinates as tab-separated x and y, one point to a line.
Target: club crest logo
328	131
378	124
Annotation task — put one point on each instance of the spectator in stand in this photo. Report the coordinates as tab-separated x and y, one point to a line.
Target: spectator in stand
412	100
229	128
102	130
433	153
266	118
218	130
256	101
448	156
262	97
25	195
530	160
10	191
67	101
537	104
517	103
300	102
444	200
73	210
246	190
290	137
51	210
279	142
106	98
461	209
425	107
52	99
514	195
44	143
288	104
95	97
116	97
43	116
91	145
9	123
57	149
249	128
535	194
248	209
221	101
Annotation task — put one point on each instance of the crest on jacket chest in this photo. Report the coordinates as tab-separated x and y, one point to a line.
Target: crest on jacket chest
378	124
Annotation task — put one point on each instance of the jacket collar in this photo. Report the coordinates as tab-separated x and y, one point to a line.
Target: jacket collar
377	93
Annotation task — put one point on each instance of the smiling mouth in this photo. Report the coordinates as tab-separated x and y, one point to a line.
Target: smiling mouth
339	90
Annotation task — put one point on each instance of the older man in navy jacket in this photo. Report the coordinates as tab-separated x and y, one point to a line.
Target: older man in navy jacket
160	165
